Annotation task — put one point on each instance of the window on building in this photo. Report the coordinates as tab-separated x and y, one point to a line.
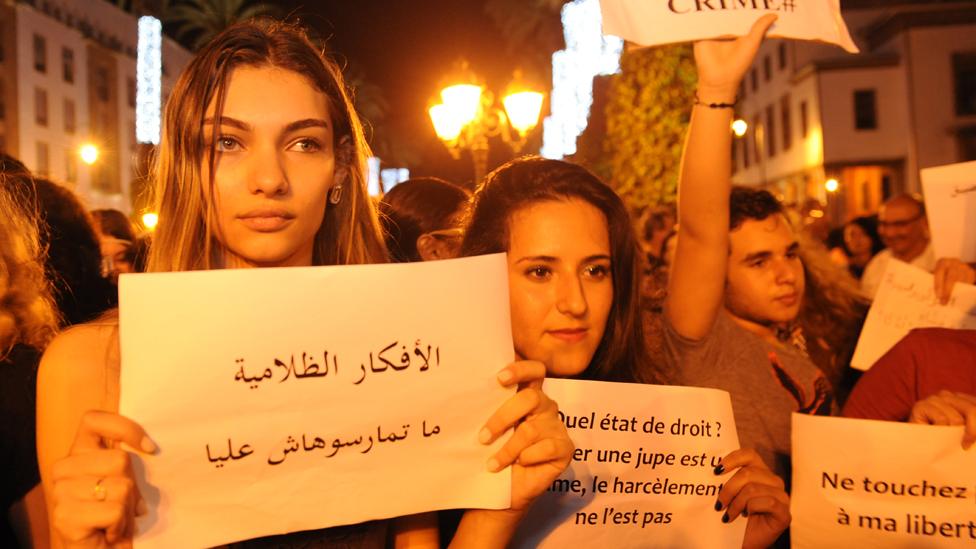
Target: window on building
130	92
70	166
781	54
865	110
770	135
40	107
757	125
754	79
786	122
964	75
101	84
767	68
40	53
68	64
69	116
43	159
804	127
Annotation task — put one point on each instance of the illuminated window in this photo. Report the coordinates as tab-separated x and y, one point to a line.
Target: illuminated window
43	159
101	84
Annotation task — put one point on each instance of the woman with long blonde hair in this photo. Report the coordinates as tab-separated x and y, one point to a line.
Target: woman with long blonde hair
261	164
27	323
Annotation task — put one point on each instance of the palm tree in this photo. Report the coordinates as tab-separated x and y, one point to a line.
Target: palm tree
532	30
197	21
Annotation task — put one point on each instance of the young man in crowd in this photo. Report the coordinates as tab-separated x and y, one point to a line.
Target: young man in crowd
904	230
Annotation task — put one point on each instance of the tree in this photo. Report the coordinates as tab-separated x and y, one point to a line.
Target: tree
197	21
648	110
532	31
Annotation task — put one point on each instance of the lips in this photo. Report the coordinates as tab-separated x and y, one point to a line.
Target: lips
789	300
569	335
266	220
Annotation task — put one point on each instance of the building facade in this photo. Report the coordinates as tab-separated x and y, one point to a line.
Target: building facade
68	78
869	121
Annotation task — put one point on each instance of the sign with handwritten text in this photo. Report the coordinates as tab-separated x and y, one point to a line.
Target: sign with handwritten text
906	300
642	469
861	483
657	22
950	199
302	398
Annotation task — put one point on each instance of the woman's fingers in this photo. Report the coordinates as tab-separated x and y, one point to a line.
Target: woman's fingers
99	427
523	373
745	500
77	523
99	464
525	402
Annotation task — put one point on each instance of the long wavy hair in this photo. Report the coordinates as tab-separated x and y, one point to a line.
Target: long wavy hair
622	353
27	313
185	238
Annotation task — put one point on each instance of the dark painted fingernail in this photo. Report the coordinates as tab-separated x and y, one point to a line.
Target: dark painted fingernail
725	518
719	469
745	512
718	505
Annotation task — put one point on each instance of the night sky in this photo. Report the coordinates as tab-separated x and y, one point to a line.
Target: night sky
407	48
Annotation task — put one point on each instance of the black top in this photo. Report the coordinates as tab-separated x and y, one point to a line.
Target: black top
18	451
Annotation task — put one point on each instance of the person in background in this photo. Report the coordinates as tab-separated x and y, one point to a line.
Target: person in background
116	237
420	219
904	229
861	242
28	321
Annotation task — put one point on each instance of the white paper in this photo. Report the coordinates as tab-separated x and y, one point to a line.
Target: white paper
658	501
862	484
906	300
950	200
199	373
657	22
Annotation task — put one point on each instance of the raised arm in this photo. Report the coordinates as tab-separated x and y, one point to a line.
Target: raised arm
697	282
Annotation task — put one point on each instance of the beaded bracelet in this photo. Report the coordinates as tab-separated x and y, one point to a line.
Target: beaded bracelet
715	105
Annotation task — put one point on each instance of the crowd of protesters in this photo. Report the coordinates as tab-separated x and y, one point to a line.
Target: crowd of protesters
724	290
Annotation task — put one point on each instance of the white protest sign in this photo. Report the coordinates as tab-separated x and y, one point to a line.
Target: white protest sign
657	22
950	199
299	398
906	300
862	483
642	473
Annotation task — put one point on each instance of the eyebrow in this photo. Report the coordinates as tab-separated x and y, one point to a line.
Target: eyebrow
766	254
294	126
551	259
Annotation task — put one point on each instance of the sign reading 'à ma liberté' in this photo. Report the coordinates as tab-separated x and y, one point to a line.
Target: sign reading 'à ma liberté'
657	22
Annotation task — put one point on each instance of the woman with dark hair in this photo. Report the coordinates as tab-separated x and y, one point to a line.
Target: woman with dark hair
420	219
862	242
261	164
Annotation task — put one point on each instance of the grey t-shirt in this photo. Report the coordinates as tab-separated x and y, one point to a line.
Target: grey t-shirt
767	383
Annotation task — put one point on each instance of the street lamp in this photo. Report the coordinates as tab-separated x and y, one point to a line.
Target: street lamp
740	127
150	220
88	153
831	185
467	116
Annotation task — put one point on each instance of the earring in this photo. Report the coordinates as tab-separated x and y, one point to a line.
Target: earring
335	195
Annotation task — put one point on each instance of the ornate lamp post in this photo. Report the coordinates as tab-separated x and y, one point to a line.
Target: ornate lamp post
467	117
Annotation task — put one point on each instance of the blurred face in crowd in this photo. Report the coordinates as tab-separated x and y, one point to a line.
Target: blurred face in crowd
275	166
857	241
114	260
903	228
560	284
765	274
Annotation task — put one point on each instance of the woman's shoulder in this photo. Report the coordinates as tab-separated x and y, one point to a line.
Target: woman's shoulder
82	358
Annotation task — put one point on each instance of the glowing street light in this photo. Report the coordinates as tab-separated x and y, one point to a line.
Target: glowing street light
831	185
467	116
88	153
150	220
740	127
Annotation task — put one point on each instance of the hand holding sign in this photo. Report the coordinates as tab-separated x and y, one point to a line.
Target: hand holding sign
722	63
539	450
948	408
754	491
949	271
94	492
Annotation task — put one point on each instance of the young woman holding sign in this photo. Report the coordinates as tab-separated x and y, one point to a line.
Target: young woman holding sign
261	165
574	272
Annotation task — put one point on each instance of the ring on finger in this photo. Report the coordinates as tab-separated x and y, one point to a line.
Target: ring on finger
98	491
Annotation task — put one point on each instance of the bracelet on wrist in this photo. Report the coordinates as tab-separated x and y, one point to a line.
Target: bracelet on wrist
731	105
